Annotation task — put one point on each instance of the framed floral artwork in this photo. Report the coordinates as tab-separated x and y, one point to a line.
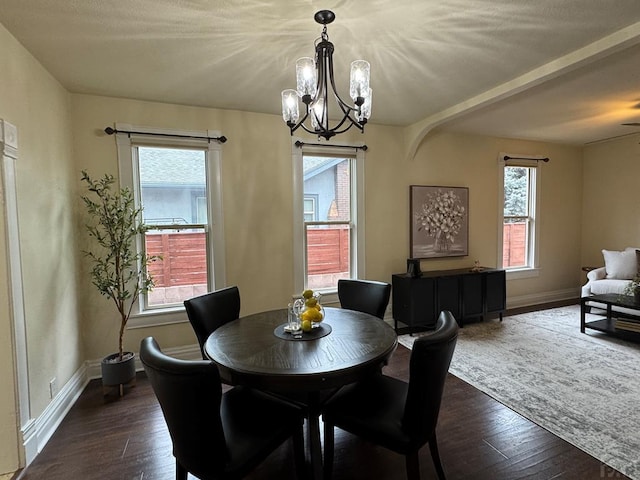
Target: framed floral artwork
439	221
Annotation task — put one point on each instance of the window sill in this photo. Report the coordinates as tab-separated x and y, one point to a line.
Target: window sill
330	299
156	318
518	273
170	316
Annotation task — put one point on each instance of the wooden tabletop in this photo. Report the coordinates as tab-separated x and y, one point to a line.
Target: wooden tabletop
247	351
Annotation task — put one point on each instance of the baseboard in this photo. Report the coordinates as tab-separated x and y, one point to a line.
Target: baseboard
542	298
38	431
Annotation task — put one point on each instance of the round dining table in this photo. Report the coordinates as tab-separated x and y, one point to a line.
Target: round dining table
346	347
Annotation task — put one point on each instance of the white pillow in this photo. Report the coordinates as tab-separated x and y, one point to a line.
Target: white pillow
620	265
637	250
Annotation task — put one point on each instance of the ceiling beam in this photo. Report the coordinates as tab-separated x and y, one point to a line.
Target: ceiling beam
613	43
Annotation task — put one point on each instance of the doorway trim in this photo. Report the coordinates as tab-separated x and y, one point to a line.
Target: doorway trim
9	149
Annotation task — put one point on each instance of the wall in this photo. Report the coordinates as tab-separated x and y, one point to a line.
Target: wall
257	199
256	175
472	161
610	209
39	107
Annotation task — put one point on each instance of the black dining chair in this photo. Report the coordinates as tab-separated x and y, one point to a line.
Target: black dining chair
398	415
366	296
215	435
212	310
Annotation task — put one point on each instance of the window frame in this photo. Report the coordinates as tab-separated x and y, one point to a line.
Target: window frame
357	244
128	176
531	269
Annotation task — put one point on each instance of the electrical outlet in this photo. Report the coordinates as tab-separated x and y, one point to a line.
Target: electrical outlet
53	387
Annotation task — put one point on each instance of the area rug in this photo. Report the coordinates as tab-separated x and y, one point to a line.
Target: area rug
584	388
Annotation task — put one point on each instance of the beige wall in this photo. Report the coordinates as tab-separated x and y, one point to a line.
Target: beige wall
256	174
611	210
472	161
39	107
257	200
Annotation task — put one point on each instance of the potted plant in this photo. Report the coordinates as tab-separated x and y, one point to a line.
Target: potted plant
633	288
119	271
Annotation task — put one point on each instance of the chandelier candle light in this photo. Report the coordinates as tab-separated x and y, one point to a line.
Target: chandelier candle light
313	80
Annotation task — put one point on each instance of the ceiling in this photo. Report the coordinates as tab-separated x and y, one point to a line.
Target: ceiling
561	71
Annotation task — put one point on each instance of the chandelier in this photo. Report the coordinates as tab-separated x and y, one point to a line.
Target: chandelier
314	77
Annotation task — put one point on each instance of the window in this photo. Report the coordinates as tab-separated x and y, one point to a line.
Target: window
328	216
172	184
176	180
310	214
520	181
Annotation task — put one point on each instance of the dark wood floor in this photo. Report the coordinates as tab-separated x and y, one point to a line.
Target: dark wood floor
479	438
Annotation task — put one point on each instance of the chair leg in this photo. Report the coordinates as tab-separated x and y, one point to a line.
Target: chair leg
435	455
181	472
328	451
298	452
413	466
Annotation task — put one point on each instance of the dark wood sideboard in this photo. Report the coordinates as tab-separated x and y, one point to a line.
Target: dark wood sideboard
467	294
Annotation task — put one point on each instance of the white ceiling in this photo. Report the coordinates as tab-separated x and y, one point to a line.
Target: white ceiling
556	70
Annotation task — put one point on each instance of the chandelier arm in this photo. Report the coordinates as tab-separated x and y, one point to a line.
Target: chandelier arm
342	122
349	125
343	105
327	132
347	116
325	79
294	126
324	59
308	130
346	110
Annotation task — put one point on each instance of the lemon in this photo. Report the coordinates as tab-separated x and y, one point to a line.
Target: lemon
307	294
311	302
306	326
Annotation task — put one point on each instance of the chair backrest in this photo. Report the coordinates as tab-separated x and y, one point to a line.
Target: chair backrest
189	393
365	296
212	310
430	359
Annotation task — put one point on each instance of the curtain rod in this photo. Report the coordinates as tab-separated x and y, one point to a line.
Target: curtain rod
111	131
300	144
507	157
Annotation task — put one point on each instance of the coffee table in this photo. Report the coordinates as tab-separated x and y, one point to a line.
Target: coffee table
622	324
